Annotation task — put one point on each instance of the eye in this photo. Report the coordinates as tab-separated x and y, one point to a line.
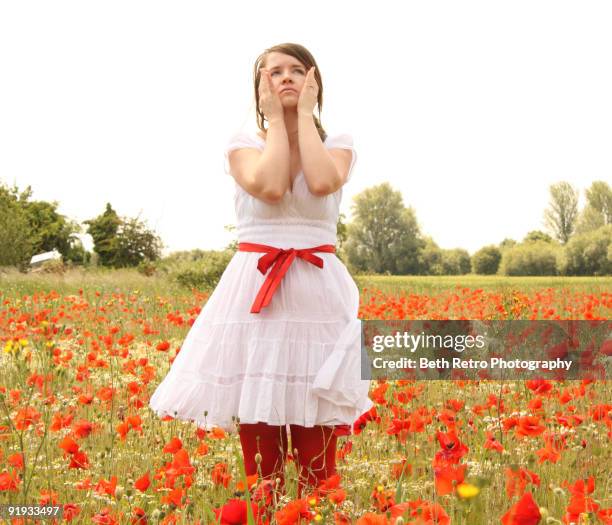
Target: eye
273	73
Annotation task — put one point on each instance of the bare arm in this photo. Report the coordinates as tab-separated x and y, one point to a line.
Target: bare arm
264	174
319	166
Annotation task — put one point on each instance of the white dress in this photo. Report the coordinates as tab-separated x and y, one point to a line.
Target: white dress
297	361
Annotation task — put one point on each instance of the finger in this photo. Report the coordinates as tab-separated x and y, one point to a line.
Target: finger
314	80
263	82
271	85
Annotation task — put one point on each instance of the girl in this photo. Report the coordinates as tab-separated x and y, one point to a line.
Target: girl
276	348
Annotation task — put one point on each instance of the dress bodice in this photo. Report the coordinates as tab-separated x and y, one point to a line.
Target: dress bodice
299	216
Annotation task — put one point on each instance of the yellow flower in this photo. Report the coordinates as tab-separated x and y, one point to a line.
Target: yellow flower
8	347
467	490
312	501
23	342
318	518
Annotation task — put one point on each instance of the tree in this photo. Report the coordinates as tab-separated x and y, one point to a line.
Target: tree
598	210
537	257
341	230
560	216
30	227
104	229
486	260
456	262
434	260
431	258
50	229
599	197
589	253
121	242
537	235
15	233
384	236
506	243
341	236
589	220
136	243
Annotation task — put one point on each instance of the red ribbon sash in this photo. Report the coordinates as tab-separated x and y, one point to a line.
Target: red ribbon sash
281	259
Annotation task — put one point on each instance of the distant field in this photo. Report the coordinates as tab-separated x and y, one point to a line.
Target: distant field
425	283
129	279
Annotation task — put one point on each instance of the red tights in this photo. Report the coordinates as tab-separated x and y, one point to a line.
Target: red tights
315	457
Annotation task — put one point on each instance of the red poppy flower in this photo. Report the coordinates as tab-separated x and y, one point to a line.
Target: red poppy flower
234	512
523	512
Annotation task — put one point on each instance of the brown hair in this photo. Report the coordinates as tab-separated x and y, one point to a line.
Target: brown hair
307	60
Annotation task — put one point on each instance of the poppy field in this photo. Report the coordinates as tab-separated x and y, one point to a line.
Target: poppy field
80	358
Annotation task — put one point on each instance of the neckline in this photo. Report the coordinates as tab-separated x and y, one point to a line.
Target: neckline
292	189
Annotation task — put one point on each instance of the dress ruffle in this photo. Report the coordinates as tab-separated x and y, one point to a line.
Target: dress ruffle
278	372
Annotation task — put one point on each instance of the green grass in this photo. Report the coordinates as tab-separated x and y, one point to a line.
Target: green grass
100	279
426	284
125	280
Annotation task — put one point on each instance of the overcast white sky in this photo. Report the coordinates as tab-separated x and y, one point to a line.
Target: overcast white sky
470	109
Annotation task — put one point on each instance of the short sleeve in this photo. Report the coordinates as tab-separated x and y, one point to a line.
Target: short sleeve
237	141
343	141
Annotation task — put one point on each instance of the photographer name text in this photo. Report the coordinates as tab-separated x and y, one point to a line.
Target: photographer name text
425	363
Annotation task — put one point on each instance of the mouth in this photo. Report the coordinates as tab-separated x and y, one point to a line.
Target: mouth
289	90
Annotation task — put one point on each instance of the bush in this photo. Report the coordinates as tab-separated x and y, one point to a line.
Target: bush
147	267
456	262
52	267
589	253
197	269
530	258
438	261
486	260
430	258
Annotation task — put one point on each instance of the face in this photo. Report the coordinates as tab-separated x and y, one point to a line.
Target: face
286	72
